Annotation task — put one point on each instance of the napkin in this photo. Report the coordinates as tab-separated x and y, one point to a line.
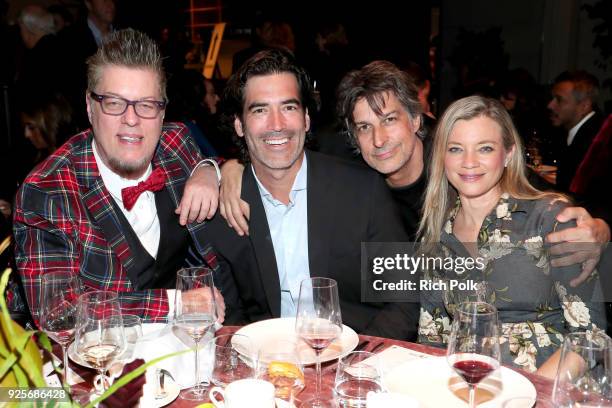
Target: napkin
130	393
165	341
390	400
51	377
391	358
396	355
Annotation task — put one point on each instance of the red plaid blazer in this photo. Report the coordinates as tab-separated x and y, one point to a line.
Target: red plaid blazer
62	204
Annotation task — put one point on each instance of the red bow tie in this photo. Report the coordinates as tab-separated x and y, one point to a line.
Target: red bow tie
154	182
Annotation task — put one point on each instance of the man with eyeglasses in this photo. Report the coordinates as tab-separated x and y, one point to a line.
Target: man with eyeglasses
112	203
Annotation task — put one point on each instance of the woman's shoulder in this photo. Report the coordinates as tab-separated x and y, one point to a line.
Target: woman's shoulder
543	212
550	204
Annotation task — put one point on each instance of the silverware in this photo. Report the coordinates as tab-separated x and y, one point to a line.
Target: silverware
378	347
362	345
160	391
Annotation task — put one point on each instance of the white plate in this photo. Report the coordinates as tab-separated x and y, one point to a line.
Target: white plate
427	380
148	391
283	328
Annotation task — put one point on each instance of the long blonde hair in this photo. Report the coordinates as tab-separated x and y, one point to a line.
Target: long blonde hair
440	196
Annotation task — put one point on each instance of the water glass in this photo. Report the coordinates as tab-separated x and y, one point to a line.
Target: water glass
278	362
585	370
233	358
358	373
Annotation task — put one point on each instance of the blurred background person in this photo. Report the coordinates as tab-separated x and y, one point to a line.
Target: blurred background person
594	172
421	80
187	91
47	123
79	42
573	107
61	16
39	68
266	33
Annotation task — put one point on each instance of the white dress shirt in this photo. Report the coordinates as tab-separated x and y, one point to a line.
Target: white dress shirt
572	133
289	231
143	216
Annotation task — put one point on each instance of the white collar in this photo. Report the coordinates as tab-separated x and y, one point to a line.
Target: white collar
572	133
300	182
114	182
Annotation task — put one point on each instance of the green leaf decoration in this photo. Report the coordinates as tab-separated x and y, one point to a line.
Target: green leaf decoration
31	371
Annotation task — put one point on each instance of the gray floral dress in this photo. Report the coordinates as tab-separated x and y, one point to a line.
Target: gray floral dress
536	304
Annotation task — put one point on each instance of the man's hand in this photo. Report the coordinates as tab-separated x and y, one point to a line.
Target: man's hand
197	300
235	211
200	197
579	244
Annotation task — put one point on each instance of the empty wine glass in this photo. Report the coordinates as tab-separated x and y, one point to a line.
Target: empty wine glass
233	358
473	345
358	373
99	337
195	312
481	291
132	329
318	323
585	370
278	362
59	295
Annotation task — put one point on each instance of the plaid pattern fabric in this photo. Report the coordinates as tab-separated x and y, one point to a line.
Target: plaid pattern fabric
64	220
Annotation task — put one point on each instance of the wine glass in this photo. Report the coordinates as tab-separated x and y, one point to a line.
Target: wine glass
195	312
584	371
358	373
278	362
473	345
481	291
99	337
132	329
318	323
59	294
233	358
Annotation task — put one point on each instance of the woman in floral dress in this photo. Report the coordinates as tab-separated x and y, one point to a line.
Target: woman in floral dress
479	205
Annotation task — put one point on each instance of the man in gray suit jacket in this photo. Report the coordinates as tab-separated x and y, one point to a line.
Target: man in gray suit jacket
310	213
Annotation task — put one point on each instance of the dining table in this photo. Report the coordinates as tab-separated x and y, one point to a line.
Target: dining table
542	385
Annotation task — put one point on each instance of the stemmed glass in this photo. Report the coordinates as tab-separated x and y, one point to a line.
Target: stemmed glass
99	337
195	312
318	323
132	329
59	294
473	345
482	292
584	371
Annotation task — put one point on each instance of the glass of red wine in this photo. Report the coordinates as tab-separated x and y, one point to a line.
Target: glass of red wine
473	345
318	323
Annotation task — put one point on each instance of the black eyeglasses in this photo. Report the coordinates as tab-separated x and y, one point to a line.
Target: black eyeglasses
116	106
